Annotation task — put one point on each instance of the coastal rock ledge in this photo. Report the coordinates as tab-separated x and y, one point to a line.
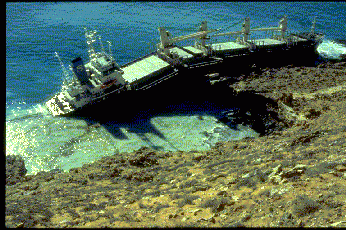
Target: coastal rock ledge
15	169
293	175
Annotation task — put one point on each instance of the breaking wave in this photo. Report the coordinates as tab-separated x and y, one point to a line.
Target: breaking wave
331	49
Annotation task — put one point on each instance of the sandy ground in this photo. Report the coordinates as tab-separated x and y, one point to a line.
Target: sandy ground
292	175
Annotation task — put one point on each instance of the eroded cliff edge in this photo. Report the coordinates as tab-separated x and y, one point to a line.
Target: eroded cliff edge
292	175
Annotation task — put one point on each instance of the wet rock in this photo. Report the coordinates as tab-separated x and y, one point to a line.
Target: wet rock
261	113
15	169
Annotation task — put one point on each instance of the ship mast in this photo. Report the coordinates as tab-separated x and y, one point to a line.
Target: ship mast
312	31
109	49
66	76
90	39
102	48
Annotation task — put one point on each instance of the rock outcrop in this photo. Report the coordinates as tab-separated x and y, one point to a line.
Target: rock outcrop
15	169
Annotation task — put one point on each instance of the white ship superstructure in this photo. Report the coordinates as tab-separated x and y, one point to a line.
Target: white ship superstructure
93	81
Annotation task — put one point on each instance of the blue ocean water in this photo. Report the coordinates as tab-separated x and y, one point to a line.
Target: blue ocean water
35	30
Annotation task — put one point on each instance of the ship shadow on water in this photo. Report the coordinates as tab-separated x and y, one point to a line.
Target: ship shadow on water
134	112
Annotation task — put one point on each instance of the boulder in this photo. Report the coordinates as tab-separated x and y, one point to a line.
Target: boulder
144	157
15	169
279	176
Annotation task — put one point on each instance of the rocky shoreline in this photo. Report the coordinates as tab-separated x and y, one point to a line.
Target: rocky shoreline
293	175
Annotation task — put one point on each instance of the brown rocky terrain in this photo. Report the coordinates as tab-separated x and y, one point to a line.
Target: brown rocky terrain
293	175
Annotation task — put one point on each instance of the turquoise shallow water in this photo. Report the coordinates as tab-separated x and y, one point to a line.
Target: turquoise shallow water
34	31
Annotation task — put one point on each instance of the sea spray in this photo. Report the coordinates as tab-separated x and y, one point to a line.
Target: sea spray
331	49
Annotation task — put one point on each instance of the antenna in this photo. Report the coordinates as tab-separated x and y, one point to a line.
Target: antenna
90	39
109	48
102	48
313	26
62	66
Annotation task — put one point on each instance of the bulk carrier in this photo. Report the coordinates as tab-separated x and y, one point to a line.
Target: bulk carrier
102	77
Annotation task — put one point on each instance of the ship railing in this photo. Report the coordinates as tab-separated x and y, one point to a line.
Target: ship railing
118	90
251	45
159	80
236	55
183	58
217	47
206	63
256	42
292	40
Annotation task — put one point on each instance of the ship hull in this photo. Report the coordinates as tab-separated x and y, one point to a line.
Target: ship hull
192	75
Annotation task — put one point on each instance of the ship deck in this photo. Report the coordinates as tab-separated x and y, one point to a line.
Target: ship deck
193	50
183	55
143	68
268	42
150	68
227	46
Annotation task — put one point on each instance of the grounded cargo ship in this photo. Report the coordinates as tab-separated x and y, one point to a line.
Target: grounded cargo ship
102	77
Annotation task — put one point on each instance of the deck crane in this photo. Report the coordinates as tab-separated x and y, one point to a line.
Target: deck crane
245	31
167	42
282	27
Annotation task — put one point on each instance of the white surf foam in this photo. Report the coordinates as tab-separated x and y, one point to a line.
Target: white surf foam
331	49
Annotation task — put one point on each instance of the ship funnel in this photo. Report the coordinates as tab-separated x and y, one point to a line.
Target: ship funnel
79	70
